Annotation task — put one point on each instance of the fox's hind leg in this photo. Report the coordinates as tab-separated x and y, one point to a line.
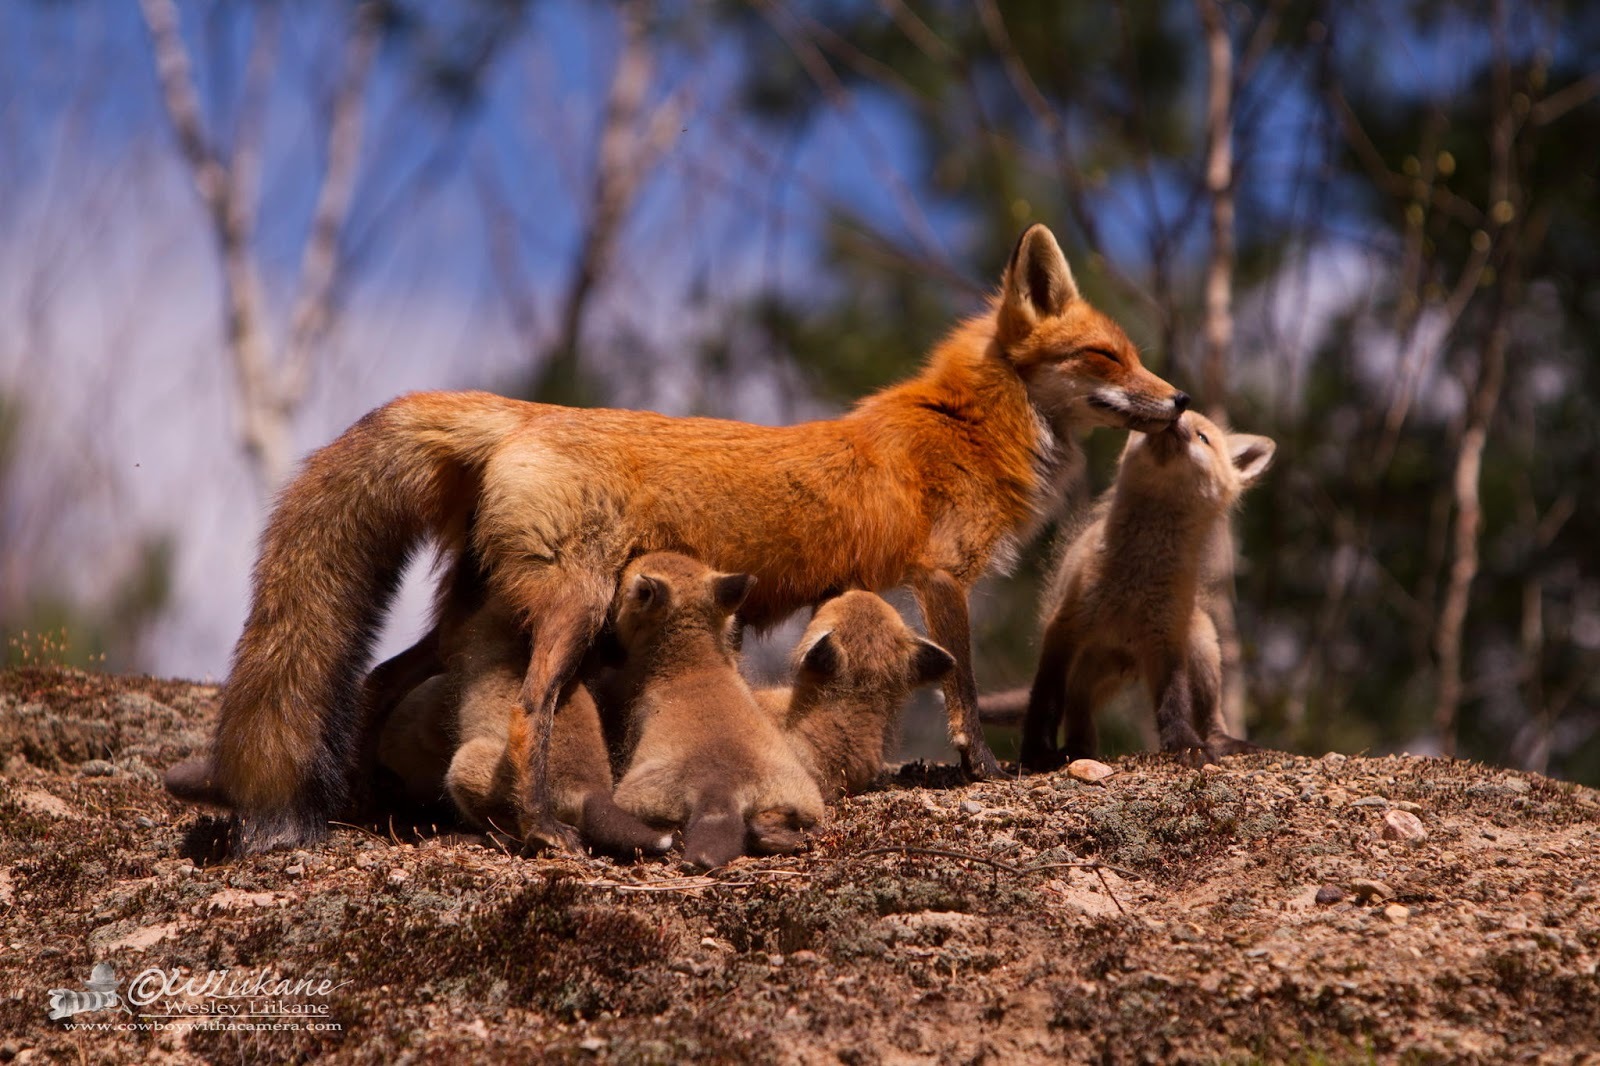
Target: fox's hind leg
565	612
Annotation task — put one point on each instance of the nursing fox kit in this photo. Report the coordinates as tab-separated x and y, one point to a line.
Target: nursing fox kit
927	483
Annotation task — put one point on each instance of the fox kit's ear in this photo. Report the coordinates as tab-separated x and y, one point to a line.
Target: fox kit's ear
1251	455
1038	282
822	657
646	591
930	662
731	589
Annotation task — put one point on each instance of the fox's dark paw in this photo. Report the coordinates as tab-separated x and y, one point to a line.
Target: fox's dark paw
1221	744
979	764
547	834
1042	760
775	832
1193	758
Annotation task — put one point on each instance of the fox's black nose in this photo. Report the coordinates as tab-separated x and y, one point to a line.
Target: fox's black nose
1181	402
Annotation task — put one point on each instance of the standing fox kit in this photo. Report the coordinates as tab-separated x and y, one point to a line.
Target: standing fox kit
1129	596
702	753
854	667
925	483
463	734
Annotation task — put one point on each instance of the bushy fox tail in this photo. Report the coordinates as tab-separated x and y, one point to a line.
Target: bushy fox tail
1003	708
331	559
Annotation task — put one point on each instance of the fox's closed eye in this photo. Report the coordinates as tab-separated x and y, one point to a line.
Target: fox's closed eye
1105	353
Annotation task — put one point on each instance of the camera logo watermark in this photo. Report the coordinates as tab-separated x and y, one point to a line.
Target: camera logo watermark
99	993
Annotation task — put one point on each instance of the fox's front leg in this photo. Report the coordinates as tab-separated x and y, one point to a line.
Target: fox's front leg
1205	673
562	633
944	609
1041	725
1173	692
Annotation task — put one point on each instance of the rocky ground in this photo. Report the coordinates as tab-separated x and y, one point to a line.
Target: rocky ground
1275	908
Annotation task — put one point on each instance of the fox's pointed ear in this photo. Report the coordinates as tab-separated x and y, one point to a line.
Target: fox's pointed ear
731	589
646	591
1038	282
930	662
1251	455
822	657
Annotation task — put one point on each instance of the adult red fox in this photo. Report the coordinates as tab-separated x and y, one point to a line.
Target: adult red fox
927	482
1130	596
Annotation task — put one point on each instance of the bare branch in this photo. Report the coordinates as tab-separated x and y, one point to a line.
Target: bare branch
1485	398
319	263
1219	183
1558	104
262	432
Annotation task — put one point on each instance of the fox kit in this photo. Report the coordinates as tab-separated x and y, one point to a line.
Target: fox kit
925	483
1129	595
464	733
703	754
854	667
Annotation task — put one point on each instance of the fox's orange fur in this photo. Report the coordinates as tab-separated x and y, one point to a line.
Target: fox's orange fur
928	482
854	667
1130	595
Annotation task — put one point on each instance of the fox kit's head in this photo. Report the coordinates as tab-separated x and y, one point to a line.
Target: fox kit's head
858	645
1078	365
1196	459
665	592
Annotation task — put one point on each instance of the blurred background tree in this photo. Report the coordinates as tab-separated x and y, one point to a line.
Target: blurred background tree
1368	230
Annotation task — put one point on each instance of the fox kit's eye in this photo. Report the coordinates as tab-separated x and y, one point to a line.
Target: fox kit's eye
1104	353
1203	438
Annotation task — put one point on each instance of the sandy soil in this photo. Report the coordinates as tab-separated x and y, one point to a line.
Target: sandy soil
1254	911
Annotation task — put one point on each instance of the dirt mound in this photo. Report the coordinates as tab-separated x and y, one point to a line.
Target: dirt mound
1276	907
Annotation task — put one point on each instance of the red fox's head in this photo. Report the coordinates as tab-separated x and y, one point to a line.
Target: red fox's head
664	591
1077	364
859	643
1194	459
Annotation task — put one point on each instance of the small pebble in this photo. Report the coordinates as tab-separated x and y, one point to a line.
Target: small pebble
144	823
971	807
592	1043
299	870
1397	913
774	960
1515	784
398	877
1368	889
1089	770
805	958
1328	895
1371	801
1403	825
101	768
1333	760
